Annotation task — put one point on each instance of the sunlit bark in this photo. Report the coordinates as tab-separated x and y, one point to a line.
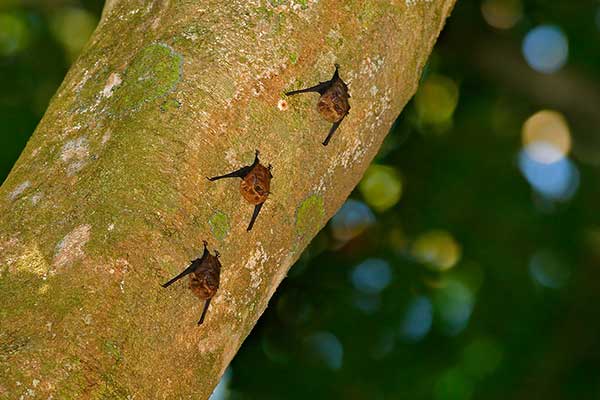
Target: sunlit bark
109	199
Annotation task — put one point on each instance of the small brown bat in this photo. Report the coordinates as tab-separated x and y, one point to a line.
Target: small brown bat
333	104
204	279
255	185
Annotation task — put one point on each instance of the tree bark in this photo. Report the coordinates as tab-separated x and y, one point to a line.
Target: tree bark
109	199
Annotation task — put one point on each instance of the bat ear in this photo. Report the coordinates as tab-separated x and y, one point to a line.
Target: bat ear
336	74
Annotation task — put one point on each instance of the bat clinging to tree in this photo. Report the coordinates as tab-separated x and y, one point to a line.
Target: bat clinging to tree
333	104
255	185
204	277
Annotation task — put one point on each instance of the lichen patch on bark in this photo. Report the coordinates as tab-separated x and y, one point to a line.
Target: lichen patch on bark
16	192
410	3
75	154
113	81
255	264
105	137
71	247
36	197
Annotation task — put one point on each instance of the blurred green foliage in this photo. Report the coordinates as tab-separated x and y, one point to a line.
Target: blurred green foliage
38	41
465	265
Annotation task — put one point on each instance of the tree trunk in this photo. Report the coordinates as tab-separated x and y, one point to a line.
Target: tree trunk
109	198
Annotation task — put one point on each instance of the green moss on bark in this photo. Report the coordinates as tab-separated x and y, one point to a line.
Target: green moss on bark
309	216
219	225
153	73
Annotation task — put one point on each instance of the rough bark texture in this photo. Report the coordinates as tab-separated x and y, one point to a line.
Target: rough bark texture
109	198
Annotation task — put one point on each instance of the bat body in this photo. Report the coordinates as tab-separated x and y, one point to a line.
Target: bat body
204	275
333	105
255	186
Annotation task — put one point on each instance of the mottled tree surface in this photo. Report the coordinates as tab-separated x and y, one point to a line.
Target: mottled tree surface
109	199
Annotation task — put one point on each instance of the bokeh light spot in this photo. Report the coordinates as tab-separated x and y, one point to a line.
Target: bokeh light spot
327	348
556	181
14	34
371	276
548	271
436	100
481	357
455	303
417	320
502	14
72	27
221	392
351	220
436	249
381	186
453	385
546	136
546	48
